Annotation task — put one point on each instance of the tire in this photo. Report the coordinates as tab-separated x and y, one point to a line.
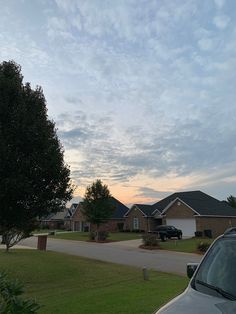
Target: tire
180	236
163	237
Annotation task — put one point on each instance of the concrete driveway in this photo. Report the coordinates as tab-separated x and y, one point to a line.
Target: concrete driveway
124	252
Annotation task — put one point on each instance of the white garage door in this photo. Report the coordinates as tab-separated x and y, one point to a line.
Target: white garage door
187	225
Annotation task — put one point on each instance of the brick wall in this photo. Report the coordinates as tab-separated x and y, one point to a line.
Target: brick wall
218	225
136	213
110	226
179	210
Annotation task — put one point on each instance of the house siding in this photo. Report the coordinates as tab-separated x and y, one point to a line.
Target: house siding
136	213
217	225
110	226
179	211
78	222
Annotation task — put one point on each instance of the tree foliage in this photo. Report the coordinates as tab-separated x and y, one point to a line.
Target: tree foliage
34	180
231	200
11	300
97	203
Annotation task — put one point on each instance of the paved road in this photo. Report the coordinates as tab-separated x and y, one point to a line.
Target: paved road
125	252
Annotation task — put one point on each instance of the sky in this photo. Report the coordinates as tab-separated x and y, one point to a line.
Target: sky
143	92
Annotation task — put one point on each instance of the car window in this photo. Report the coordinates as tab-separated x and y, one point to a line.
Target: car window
218	268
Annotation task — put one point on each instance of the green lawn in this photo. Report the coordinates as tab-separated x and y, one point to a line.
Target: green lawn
185	245
70	284
84	236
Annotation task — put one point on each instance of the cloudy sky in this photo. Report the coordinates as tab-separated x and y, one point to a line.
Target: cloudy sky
143	92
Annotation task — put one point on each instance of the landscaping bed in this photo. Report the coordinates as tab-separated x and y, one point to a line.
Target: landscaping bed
70	284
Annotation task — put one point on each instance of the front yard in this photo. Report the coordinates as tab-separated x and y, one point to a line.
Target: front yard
185	245
84	236
70	284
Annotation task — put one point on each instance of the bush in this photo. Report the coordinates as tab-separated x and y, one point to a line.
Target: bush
120	226
150	240
203	246
102	235
46	226
92	235
10	300
198	234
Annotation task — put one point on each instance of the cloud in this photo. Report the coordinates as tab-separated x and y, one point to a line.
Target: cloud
182	147
219	3
205	44
137	89
221	21
152	194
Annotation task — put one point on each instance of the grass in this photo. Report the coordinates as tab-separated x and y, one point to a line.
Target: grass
70	284
84	236
39	231
185	245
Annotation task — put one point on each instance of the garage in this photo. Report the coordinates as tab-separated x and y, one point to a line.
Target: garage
187	225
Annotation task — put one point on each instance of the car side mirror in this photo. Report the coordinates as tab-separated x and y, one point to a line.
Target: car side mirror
191	268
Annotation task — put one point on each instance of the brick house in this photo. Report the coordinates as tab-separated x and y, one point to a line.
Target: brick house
76	221
54	221
189	211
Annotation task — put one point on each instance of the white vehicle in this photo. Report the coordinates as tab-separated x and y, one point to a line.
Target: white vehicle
212	289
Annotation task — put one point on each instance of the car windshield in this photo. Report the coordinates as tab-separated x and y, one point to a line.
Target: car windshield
217	273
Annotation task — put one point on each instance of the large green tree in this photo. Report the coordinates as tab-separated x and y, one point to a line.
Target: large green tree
34	180
97	204
231	200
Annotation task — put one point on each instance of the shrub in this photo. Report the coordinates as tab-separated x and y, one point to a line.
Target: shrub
150	240
120	226
92	235
203	246
10	300
102	235
198	234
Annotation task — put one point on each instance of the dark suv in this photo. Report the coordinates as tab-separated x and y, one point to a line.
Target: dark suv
212	289
167	232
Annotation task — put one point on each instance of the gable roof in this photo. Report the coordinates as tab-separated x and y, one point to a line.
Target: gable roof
120	209
146	210
56	216
202	203
71	210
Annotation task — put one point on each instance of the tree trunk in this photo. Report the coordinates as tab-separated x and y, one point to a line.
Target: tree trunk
97	234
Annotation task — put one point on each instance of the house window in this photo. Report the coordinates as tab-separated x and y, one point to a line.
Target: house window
136	223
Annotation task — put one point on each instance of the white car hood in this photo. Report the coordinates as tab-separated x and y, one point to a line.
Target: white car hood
194	302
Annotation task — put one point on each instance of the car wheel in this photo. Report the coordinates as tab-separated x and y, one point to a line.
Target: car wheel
180	236
163	238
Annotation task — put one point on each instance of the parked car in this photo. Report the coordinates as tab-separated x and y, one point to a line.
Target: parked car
168	232
212	288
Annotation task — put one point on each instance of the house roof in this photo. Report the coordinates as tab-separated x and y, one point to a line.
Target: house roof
146	209
56	216
202	203
71	210
120	209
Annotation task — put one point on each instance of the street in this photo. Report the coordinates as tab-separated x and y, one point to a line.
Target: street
125	252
